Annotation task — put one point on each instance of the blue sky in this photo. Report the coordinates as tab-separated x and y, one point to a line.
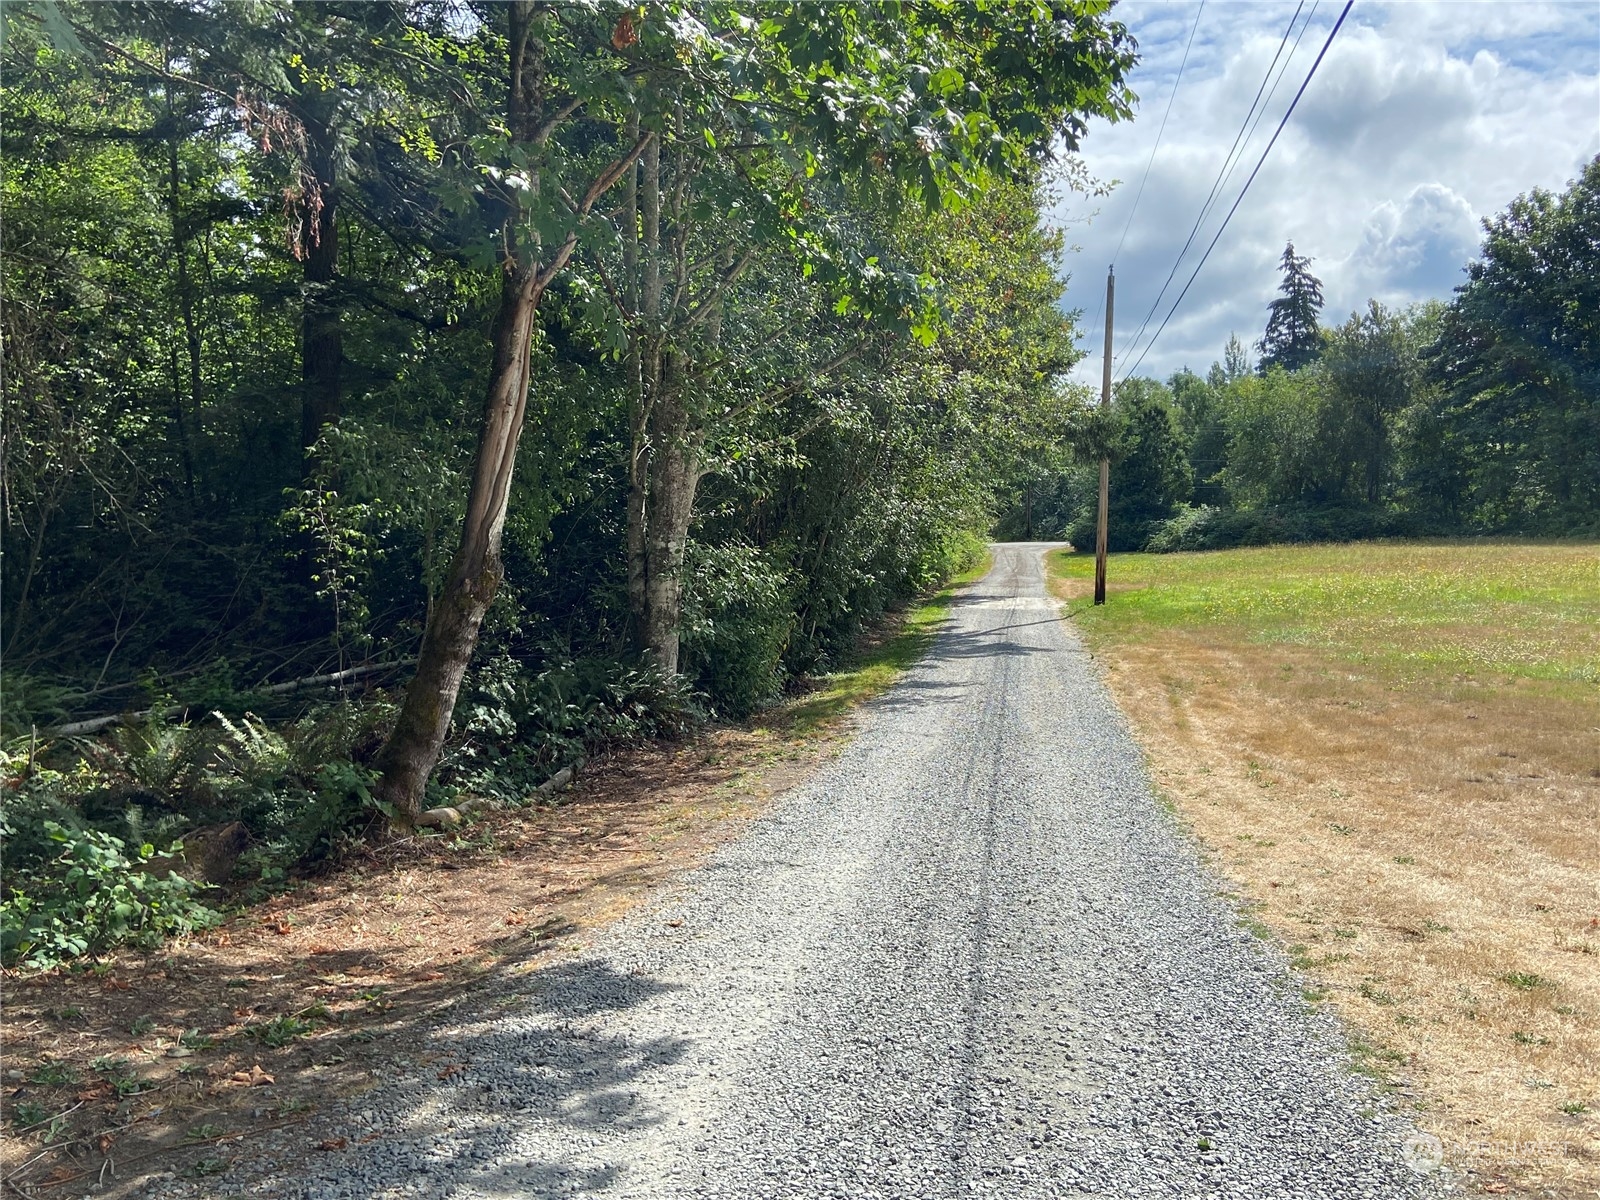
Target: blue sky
1424	118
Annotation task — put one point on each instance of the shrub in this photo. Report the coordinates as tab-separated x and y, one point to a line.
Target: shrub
97	896
1208	528
516	727
737	621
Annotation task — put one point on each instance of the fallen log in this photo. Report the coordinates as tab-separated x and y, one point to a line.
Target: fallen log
96	724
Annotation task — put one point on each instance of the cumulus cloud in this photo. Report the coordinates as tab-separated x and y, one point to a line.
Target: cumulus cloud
1423	119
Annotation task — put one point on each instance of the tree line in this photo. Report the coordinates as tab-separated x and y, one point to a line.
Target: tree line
1480	415
540	373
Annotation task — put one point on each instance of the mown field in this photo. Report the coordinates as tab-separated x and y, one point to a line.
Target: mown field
1393	750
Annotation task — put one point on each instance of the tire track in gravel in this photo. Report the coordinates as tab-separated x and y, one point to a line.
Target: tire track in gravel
972	957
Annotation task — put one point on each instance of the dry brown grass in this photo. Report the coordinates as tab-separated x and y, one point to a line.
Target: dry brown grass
1429	850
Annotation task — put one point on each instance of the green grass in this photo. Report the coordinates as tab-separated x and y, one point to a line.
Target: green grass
879	666
1528	609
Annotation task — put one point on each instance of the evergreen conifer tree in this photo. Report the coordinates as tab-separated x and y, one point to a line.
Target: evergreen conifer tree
1292	339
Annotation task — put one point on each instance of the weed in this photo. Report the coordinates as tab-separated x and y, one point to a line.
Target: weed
70	1013
28	1113
210	1165
1525	981
1345	933
142	1025
1405	860
1574	1108
278	1032
1523	1038
53	1074
288	1108
1341	830
193	1039
1376	995
377	1002
1432	926
204	1133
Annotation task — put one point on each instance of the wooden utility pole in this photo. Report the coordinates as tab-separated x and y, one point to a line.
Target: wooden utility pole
1105	463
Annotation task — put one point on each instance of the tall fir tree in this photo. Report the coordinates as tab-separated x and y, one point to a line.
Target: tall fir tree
1235	362
1293	338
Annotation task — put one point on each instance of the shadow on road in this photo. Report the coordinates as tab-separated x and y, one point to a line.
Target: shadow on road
499	1072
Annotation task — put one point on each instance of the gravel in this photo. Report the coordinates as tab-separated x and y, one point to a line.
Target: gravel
972	957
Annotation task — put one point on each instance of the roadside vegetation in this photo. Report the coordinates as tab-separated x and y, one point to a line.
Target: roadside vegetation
407	403
1390	749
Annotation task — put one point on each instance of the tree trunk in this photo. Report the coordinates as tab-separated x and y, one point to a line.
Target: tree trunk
410	754
674	476
185	298
408	757
321	340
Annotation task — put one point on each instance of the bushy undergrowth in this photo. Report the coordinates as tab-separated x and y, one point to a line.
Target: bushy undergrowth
91	827
518	727
738	617
1204	527
95	894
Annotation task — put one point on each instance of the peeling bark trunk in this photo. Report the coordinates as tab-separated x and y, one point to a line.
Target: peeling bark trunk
412	750
408	757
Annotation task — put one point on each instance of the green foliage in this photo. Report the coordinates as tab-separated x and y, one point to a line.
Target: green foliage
737	621
1150	475
1204	527
518	724
1517	360
97	896
1293	339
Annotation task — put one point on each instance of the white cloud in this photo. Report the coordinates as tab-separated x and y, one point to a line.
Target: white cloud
1423	119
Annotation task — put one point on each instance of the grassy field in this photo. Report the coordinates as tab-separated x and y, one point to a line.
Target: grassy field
1393	750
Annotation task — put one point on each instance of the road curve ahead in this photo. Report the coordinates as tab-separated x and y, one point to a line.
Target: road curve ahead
972	957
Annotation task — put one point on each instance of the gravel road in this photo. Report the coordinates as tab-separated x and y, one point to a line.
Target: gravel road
972	957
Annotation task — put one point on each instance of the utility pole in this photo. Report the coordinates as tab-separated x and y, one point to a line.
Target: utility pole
1105	463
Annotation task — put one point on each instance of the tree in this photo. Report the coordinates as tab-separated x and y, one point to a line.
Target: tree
805	84
1518	361
1293	338
1275	439
1235	360
1199	403
1372	373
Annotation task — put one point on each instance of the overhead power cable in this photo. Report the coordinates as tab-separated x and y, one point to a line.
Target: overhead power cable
1193	29
1150	162
1226	169
1333	33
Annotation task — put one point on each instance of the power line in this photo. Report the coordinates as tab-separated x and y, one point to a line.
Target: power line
1150	162
1228	162
1334	32
1273	91
1100	310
